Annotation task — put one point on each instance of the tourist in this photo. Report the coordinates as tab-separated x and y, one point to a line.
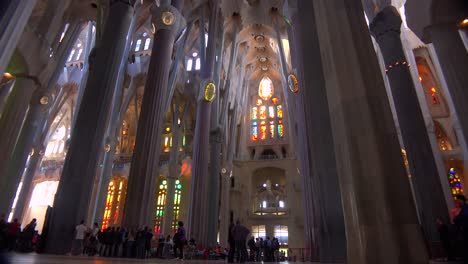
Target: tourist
275	249
3	232
251	245
12	234
180	240
240	233
159	251
148	237
267	250
258	248
130	243
140	244
167	247
80	231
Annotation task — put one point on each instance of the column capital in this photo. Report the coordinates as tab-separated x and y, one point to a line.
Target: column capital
386	21
167	17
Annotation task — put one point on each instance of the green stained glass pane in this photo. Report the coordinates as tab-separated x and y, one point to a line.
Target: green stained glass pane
179	186
177	181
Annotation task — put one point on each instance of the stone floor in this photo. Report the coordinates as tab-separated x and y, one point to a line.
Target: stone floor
54	259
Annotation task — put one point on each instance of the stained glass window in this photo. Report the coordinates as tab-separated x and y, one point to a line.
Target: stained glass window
254	133
160	203
455	182
114	202
280	130
266	113
279	111
262	112
254	114
265	88
177	196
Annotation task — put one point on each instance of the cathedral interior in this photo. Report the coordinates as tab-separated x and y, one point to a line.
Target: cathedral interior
298	118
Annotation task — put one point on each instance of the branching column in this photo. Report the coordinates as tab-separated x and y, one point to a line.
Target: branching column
324	221
76	183
198	214
428	189
141	191
380	217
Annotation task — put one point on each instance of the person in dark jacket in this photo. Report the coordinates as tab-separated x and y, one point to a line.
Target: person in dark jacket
461	221
252	249
179	240
240	233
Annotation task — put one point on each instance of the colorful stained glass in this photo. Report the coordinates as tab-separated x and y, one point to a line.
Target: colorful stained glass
279	111
161	202
254	114
114	202
265	88
280	130
271	112
272	131
254	133
259	102
455	182
263	132
262	112
275	100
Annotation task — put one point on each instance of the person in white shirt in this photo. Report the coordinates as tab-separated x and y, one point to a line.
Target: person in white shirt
80	231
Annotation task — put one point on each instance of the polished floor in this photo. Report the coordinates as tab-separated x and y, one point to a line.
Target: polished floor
54	259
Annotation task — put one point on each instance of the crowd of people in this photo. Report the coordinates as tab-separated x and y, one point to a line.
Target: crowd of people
266	250
13	238
127	242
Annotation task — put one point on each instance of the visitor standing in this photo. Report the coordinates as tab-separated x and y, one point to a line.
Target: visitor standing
240	233
80	231
251	245
12	234
179	240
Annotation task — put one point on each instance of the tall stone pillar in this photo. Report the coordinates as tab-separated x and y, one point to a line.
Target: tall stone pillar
11	121
13	18
324	221
197	226
76	183
453	58
35	121
380	217
141	190
428	189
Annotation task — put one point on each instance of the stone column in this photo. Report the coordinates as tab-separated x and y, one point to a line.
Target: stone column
380	217
10	126
197	226
141	190
453	58
76	183
428	189
38	113
324	221
14	16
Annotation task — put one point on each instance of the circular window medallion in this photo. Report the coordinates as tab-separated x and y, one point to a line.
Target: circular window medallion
168	18
210	91
44	100
293	84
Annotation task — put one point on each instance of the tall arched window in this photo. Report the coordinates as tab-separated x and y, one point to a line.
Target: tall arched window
114	202
161	204
267	113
